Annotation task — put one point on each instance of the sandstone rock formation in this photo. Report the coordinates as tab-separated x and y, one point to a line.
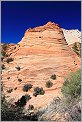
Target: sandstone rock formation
42	52
72	36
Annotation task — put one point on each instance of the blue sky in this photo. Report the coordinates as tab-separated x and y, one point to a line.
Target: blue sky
17	17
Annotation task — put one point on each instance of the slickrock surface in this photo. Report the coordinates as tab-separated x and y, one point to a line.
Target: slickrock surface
72	36
42	52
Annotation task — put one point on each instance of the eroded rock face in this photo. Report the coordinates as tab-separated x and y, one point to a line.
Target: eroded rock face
72	36
42	52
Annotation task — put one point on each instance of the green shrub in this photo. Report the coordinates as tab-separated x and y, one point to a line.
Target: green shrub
53	77
49	84
23	100
18	68
72	85
9	60
11	112
27	97
42	92
38	91
35	94
15	112
27	87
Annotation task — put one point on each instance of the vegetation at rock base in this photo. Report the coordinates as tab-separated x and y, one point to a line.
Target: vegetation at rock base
27	87
27	97
38	91
53	77
35	94
69	106
67	111
10	112
49	84
23	100
72	85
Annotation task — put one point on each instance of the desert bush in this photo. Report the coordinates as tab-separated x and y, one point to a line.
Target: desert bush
72	86
23	100
42	92
27	97
18	68
35	94
53	77
11	112
9	60
49	84
19	80
75	112
15	112
9	90
38	91
27	87
57	105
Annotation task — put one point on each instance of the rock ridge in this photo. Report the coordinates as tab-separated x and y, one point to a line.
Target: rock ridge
49	25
